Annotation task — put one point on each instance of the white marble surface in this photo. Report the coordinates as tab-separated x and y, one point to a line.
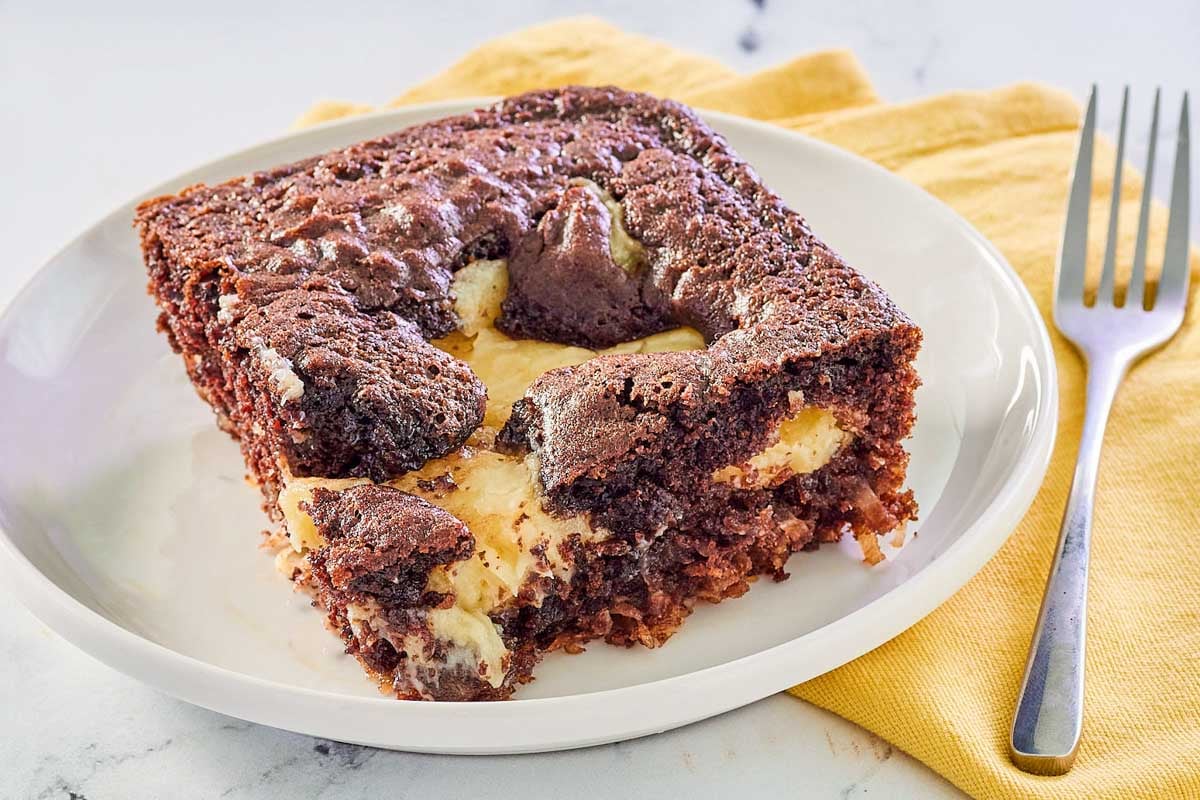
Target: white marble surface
99	101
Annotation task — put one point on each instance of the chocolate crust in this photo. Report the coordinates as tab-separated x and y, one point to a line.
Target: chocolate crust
377	230
565	287
303	299
381	543
628	593
634	436
369	396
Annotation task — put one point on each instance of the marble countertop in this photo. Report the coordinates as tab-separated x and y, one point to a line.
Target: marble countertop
100	101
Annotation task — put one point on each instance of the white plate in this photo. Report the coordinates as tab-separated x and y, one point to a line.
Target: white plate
130	531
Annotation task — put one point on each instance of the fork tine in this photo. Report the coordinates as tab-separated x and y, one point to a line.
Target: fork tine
1137	278
1072	258
1172	292
1107	274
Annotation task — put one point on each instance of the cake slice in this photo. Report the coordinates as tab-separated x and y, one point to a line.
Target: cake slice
549	372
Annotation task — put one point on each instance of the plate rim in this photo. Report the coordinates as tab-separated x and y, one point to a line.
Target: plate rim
208	685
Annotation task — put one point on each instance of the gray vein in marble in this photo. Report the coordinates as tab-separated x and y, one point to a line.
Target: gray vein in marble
94	762
921	70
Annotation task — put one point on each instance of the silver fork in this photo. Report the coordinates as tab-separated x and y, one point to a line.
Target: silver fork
1049	716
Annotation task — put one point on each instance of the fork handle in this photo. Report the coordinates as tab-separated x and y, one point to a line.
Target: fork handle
1049	716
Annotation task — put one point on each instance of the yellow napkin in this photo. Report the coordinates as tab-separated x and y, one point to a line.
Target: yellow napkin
944	690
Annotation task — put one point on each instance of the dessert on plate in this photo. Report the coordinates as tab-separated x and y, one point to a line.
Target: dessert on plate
551	371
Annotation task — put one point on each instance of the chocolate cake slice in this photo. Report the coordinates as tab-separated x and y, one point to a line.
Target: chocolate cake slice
548	372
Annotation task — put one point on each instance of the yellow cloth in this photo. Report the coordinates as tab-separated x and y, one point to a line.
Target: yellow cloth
944	690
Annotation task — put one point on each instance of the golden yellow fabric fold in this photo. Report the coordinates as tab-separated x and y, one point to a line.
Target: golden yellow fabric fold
944	690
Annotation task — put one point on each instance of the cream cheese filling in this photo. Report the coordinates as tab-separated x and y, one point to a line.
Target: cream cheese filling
507	366
626	251
804	443
497	495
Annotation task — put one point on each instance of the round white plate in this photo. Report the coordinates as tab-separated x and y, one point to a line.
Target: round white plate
130	531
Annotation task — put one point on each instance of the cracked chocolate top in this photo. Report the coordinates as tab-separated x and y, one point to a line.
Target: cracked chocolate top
382	542
361	393
334	271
